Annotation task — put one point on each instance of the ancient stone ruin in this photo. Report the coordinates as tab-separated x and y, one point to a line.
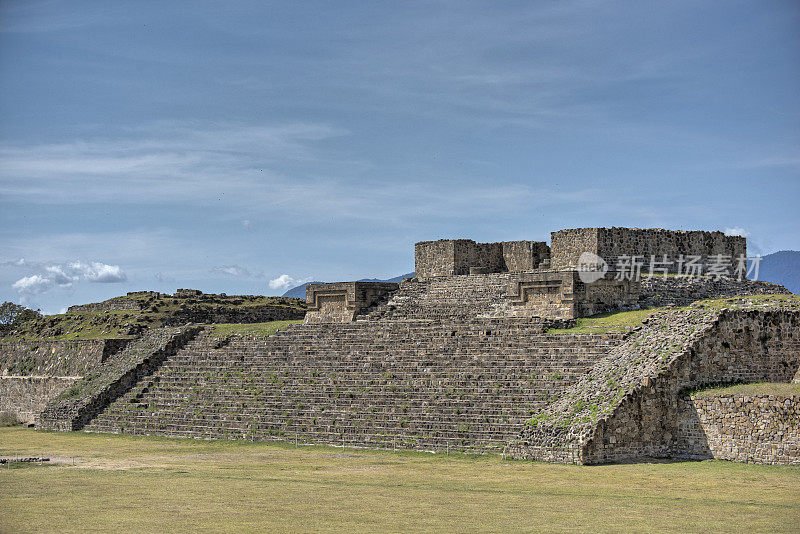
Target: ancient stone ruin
474	353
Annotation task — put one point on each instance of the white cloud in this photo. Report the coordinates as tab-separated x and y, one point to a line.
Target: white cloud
59	277
65	275
285	281
737	230
99	272
33	284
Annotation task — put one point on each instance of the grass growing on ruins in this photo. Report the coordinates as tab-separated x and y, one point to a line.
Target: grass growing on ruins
625	320
127	323
752	301
606	322
250	329
758	388
134	483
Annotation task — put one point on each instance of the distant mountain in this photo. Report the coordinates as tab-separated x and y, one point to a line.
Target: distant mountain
781	268
299	292
395	279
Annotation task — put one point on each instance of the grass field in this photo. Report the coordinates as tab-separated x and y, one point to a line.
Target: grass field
129	483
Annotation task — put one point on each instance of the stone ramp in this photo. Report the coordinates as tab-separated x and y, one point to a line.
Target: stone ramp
83	400
430	385
633	404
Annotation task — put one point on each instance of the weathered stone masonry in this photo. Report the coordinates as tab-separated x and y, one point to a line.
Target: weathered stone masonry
449	257
631	405
761	429
410	384
34	372
610	244
459	358
341	302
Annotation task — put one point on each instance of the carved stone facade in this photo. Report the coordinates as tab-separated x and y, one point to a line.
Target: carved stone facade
562	295
340	302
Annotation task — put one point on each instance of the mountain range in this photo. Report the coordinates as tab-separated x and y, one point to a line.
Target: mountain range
781	267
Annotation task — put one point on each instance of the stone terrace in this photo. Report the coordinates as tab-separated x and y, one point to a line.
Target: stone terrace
432	385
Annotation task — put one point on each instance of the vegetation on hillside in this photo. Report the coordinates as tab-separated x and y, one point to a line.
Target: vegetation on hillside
14	316
147	310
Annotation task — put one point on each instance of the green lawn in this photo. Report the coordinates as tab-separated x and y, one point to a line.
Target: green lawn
132	484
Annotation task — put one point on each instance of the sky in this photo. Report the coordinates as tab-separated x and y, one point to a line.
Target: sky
245	147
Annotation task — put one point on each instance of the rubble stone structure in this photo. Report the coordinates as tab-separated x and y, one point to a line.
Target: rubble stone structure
448	257
613	244
760	429
465	357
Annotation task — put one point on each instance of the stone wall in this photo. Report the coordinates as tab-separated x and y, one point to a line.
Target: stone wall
25	397
434	258
204	314
32	373
612	243
736	346
553	295
566	246
72	357
340	302
117	304
680	290
449	257
761	429
524	255
516	294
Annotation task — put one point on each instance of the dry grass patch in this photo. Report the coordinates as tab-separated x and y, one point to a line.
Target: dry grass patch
231	486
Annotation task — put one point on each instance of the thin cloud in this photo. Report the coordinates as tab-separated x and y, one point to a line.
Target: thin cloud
236	271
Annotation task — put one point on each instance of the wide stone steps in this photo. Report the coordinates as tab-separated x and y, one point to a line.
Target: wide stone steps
418	384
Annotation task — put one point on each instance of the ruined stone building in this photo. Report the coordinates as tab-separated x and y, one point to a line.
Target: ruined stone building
477	352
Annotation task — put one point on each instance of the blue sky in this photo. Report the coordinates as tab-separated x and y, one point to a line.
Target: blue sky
222	145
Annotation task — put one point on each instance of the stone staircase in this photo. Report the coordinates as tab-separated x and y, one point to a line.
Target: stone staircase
455	297
122	371
421	384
